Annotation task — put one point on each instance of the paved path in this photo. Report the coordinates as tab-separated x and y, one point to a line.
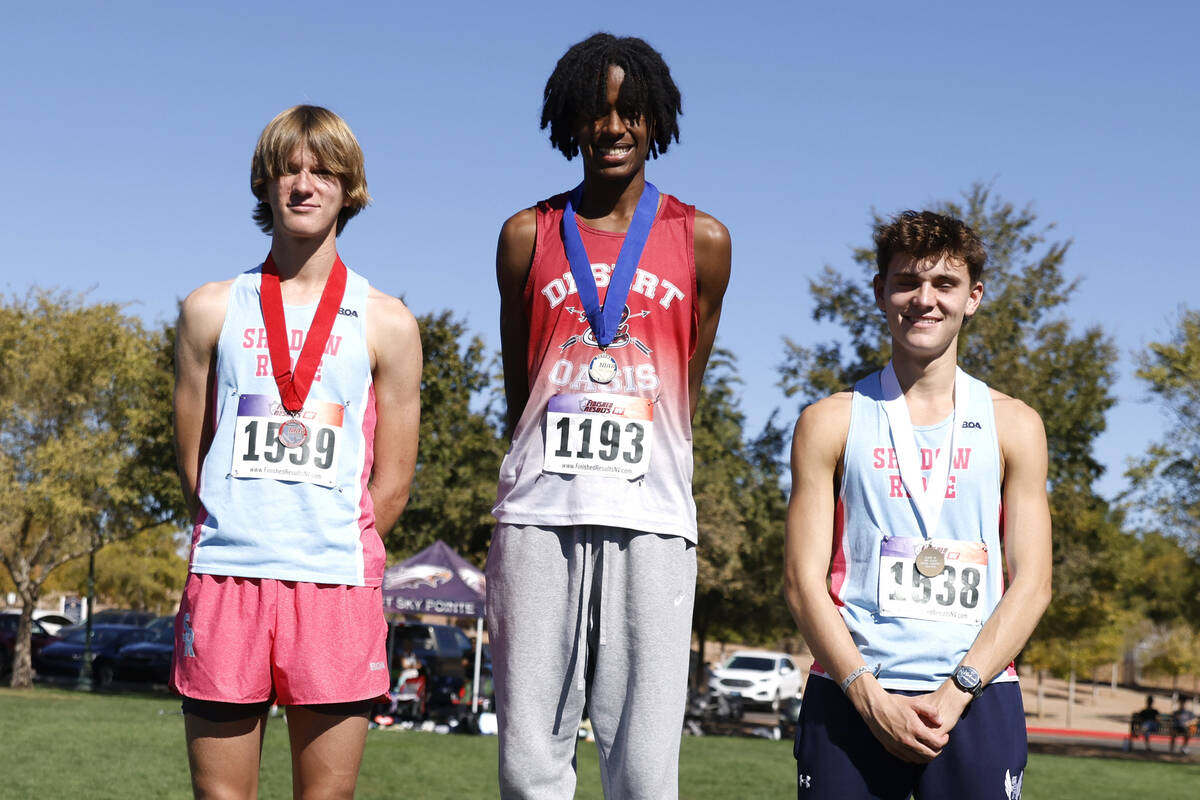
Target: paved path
1099	722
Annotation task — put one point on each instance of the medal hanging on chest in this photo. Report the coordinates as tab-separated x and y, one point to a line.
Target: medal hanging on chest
930	561
293	433
602	368
927	496
605	320
294	384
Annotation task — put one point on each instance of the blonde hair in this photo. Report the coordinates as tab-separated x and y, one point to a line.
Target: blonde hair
325	135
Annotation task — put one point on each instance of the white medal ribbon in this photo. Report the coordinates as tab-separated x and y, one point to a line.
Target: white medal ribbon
928	500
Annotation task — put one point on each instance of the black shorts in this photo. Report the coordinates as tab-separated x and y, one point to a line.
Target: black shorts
837	756
214	711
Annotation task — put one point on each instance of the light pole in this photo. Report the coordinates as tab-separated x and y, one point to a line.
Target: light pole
84	682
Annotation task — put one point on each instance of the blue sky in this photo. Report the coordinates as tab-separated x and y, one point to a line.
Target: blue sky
129	128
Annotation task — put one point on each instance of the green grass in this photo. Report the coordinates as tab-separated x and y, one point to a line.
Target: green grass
57	743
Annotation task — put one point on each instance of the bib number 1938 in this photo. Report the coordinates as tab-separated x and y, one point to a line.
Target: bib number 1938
598	434
955	594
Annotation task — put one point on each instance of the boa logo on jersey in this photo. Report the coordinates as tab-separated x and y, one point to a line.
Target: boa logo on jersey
347	312
418	575
474	580
620	339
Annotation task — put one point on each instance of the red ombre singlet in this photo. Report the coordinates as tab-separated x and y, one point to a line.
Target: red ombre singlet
656	339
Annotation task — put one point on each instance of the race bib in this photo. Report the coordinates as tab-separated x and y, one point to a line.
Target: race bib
956	594
599	434
259	451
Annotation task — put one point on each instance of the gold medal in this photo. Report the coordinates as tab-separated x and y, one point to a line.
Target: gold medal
930	561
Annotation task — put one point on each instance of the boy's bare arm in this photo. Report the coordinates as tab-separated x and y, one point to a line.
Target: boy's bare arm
395	342
196	334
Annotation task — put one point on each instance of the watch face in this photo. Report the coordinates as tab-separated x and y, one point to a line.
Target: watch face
967	679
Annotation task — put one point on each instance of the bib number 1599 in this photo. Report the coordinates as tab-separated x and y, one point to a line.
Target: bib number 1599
258	451
320	452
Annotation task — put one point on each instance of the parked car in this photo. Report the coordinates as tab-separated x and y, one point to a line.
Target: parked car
64	658
758	676
123	616
150	659
439	648
39	637
53	622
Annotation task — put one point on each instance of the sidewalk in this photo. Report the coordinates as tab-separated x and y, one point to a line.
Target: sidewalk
1102	744
1099	722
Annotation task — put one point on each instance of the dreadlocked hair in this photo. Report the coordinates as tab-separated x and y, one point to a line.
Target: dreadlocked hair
577	90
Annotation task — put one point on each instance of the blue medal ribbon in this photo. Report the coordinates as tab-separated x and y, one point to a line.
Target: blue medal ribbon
605	320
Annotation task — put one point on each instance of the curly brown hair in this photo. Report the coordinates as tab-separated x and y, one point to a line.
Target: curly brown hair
927	234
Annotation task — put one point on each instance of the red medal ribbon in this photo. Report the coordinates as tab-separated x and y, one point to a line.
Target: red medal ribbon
294	383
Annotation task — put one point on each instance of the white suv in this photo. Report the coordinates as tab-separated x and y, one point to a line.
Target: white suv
757	676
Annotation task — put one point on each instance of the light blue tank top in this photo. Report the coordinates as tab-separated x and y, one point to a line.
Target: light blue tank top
320	526
914	654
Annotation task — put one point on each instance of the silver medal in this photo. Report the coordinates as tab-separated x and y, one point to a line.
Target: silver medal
292	433
603	368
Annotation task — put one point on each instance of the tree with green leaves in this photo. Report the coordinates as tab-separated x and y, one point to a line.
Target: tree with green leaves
764	614
81	407
144	572
1167	480
1173	651
454	487
1022	343
1161	580
740	503
718	480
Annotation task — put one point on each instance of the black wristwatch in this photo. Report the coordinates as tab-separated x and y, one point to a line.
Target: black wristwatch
967	679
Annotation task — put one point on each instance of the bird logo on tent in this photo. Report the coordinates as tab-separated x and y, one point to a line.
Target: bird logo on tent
473	579
418	575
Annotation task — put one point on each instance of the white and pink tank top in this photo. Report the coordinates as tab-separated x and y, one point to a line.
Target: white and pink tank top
874	508
300	513
656	339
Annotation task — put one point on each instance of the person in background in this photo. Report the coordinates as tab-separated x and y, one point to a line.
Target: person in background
1183	718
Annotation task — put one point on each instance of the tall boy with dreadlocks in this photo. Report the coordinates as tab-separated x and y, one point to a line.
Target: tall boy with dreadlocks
609	300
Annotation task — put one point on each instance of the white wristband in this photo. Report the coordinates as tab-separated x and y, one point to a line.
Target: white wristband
858	673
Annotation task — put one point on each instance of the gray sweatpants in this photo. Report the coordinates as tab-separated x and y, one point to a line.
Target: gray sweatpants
595	617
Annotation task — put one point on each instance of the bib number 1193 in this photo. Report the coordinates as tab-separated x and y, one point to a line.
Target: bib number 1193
598	434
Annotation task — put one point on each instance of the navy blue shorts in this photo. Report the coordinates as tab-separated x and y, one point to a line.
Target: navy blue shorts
838	757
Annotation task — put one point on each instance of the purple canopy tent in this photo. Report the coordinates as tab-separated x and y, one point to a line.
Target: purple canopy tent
438	580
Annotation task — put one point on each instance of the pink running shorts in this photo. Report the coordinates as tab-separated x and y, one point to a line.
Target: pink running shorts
249	640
